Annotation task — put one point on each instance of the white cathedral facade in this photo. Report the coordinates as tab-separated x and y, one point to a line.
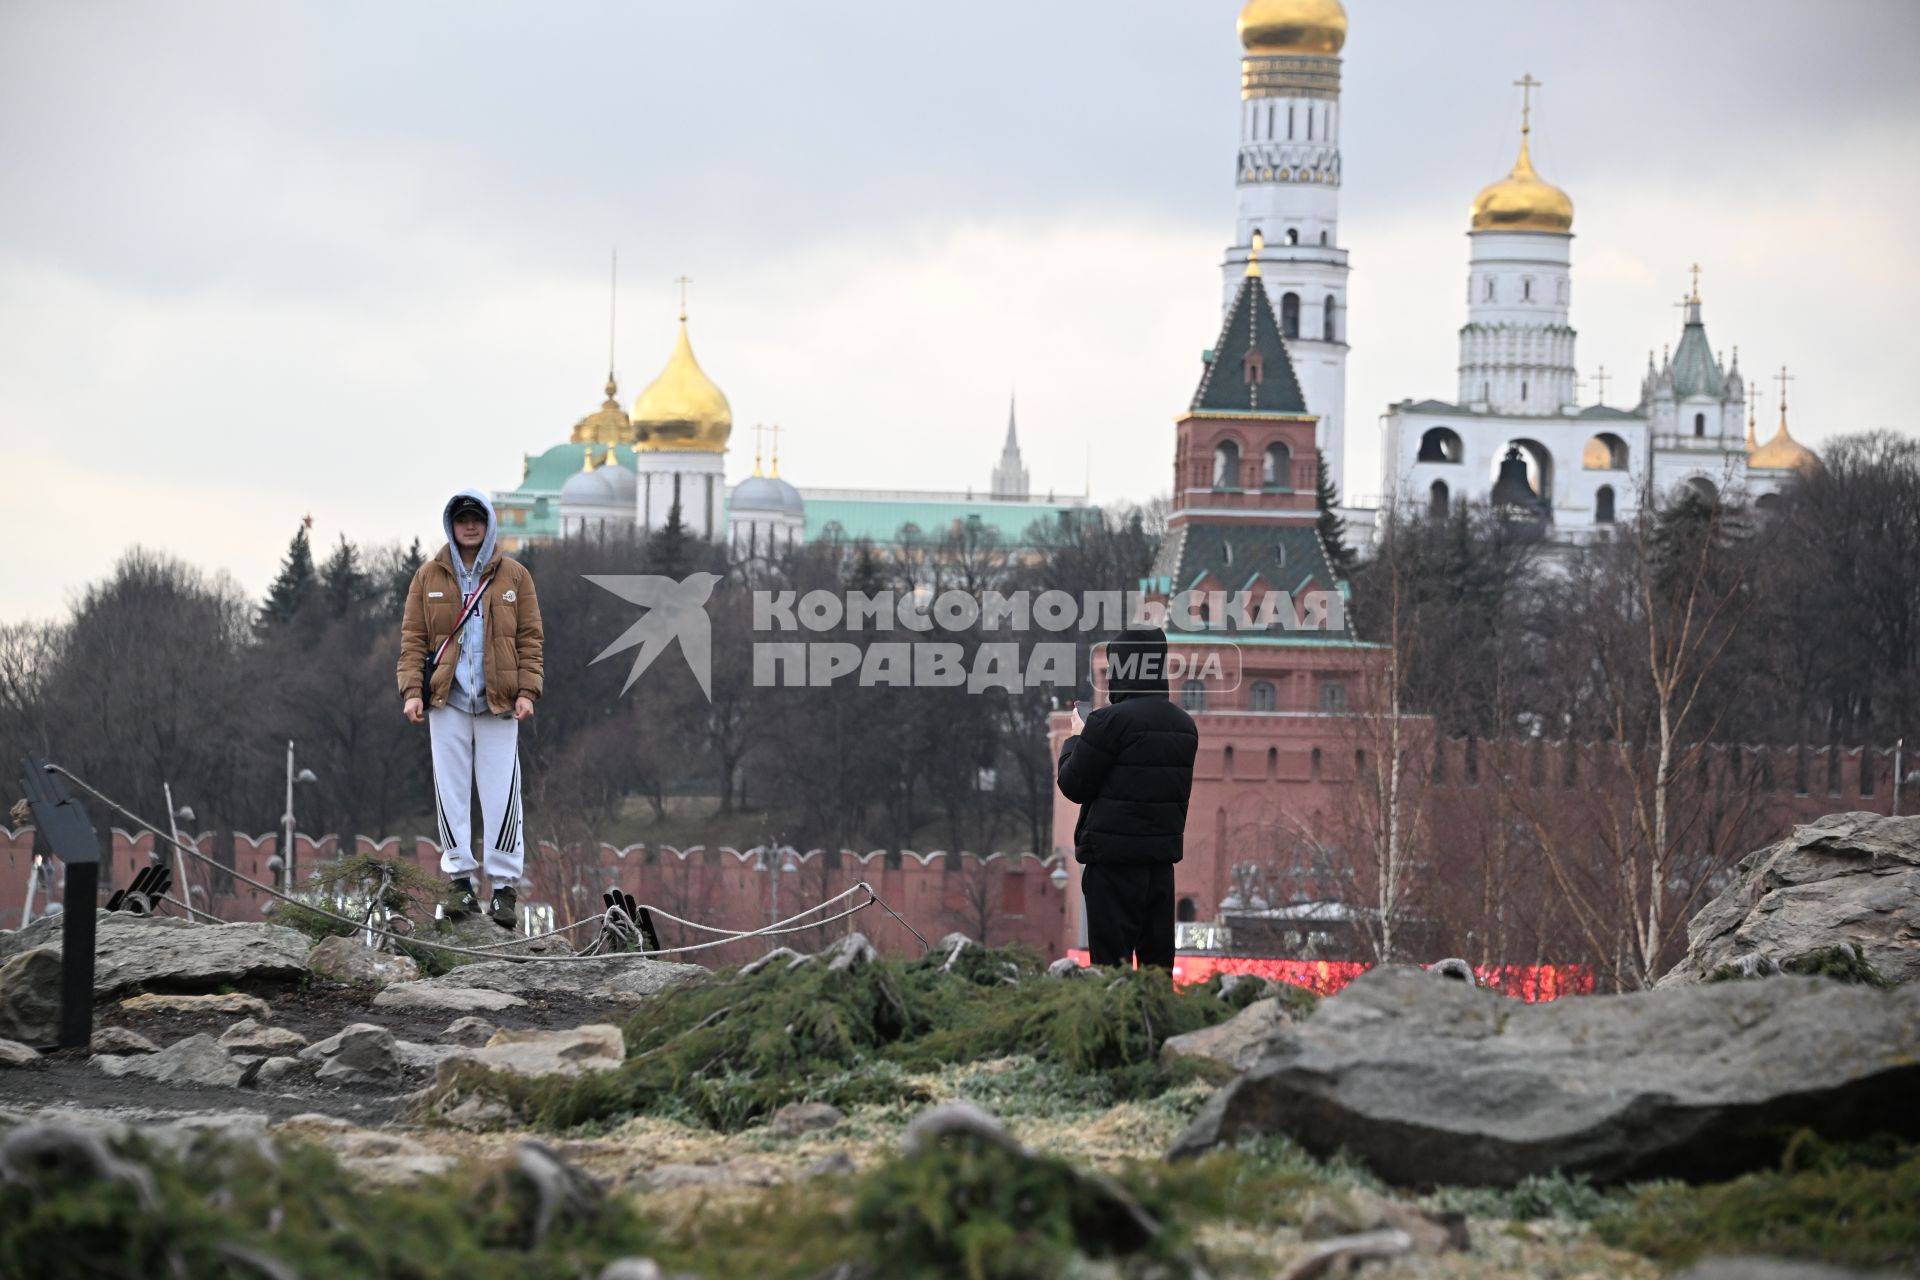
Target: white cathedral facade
1515	433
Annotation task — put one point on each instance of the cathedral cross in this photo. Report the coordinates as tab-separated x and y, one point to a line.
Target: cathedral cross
774	431
1602	379
1696	282
1526	84
683	282
1783	379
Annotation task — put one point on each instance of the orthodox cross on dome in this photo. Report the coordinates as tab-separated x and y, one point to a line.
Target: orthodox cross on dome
1696	283
774	431
1526	84
683	282
758	432
1601	379
1783	379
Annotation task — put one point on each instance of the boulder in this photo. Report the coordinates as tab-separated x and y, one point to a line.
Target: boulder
347	960
415	1056
360	1054
196	1060
595	1047
1779	1269
1358	1211
625	979
1848	877
275	1070
797	1118
1065	967
470	1031
120	1040
854	953
227	1002
30	996
425	995
1234	1045
1428	1080
168	953
15	1054
248	1038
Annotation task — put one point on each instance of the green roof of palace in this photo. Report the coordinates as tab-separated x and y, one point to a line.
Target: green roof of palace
884	522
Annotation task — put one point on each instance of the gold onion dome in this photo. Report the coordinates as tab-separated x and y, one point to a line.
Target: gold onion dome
1783	452
1272	27
606	425
682	409
1523	201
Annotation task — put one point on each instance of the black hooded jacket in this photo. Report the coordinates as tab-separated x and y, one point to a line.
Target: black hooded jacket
1131	769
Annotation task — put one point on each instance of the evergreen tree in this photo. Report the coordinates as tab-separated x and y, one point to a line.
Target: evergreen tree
343	583
1333	529
402	577
670	548
294	588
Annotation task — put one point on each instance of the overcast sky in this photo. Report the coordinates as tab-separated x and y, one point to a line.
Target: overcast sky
265	260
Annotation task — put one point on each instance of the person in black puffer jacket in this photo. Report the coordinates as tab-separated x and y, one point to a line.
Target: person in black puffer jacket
1129	767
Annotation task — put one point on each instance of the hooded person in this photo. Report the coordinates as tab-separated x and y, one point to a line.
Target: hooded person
471	666
1129	766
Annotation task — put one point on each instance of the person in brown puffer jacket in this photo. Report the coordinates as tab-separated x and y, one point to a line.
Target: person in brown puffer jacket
484	680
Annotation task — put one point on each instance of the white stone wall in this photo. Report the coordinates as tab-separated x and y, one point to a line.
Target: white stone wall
1560	441
698	479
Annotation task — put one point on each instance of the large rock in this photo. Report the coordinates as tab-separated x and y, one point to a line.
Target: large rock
1234	1045
347	960
1432	1081
361	1054
626	979
15	1054
249	1038
480	933
30	996
1780	1269
596	1047
427	997
168	953
1849	877
219	1002
197	1060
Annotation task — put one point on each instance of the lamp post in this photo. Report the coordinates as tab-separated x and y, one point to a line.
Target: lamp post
179	858
286	853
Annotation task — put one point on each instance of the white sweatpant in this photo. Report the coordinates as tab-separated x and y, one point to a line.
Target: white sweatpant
469	752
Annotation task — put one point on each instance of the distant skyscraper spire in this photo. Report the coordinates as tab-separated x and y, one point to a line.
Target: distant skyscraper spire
1010	477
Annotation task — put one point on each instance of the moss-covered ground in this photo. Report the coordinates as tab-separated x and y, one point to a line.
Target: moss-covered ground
1069	1066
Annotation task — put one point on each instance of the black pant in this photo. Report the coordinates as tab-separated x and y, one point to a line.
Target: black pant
1130	913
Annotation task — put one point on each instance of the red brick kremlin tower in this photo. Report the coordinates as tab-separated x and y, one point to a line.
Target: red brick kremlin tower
1280	744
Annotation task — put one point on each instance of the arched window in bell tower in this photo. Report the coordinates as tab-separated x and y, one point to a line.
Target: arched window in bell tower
1276	468
1699	424
1326	320
1226	465
1290	315
1293	235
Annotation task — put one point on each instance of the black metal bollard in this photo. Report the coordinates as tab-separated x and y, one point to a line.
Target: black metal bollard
69	834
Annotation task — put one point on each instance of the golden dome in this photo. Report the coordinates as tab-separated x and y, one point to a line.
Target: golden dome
606	425
682	409
1523	201
1783	453
1270	27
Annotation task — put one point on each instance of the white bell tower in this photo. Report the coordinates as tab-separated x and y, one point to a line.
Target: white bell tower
1288	178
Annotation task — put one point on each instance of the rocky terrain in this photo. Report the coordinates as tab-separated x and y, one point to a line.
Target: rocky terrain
967	1113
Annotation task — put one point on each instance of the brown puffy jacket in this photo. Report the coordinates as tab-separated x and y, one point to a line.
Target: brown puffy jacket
515	664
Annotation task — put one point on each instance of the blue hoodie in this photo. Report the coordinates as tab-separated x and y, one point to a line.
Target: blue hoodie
469	692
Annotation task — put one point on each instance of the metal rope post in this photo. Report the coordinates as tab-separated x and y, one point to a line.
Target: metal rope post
70	835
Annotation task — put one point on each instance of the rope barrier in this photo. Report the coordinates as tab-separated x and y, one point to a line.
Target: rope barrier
490	951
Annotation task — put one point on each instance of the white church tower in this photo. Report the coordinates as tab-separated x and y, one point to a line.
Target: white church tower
1516	349
1288	177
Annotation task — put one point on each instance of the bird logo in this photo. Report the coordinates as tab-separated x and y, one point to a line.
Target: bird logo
674	611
